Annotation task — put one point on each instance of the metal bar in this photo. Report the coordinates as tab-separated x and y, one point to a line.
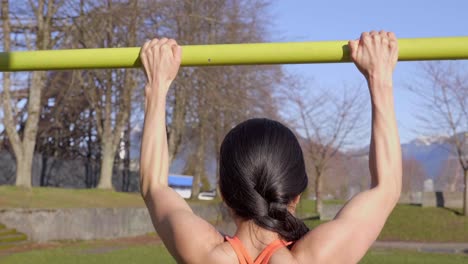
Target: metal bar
413	49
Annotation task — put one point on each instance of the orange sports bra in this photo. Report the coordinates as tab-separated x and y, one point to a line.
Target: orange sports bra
263	258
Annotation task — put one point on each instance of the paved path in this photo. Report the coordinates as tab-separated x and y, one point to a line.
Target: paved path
458	248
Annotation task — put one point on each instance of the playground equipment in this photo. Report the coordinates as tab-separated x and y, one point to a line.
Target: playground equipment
410	49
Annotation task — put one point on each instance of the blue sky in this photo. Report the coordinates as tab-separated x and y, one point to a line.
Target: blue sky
303	20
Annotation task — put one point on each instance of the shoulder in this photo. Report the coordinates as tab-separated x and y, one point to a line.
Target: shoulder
221	253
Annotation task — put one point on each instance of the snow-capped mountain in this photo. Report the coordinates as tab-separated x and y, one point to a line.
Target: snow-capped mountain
429	140
431	151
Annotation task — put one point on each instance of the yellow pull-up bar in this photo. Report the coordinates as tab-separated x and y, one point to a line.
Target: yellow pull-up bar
411	49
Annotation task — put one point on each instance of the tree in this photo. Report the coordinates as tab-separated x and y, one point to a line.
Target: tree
205	103
109	92
450	177
23	145
413	176
443	88
325	121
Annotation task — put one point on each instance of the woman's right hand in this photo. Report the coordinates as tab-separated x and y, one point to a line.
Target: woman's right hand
375	54
161	59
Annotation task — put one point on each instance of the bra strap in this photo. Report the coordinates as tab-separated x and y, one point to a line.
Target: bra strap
263	258
241	252
266	254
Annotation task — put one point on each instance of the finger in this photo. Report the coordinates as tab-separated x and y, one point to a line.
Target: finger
353	46
165	50
145	47
176	49
393	43
171	42
152	54
164	47
364	36
163	41
144	58
383	35
153	42
375	36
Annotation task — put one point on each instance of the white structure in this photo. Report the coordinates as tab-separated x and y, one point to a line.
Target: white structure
428	185
182	184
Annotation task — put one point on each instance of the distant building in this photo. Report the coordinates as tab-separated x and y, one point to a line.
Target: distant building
182	184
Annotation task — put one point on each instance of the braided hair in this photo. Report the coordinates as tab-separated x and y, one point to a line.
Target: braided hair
261	171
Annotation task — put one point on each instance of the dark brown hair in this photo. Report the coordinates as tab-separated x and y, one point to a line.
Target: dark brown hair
261	171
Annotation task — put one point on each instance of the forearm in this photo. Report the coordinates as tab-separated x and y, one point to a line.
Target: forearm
154	161
385	150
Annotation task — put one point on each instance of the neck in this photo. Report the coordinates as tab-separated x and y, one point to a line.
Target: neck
248	232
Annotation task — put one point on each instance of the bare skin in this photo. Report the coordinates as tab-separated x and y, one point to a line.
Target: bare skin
345	239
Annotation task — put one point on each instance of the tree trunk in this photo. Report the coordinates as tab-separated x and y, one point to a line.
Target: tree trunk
318	192
44	179
178	122
200	165
30	132
465	191
107	165
23	171
126	162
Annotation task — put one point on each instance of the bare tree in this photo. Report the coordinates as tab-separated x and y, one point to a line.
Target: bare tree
23	145
413	175
326	121
205	103
109	92
443	88
450	176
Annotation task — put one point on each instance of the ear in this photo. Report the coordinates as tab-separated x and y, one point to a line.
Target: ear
292	205
296	200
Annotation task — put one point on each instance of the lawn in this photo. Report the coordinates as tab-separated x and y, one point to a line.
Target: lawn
415	223
87	253
14	197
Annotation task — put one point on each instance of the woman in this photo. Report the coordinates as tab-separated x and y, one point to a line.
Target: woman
262	175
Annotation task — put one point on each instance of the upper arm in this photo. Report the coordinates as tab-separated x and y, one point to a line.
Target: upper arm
347	238
186	235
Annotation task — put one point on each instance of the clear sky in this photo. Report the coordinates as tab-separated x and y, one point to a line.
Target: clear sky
307	20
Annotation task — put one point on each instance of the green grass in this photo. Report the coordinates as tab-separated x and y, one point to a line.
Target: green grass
46	197
14	197
89	255
415	223
13	238
403	257
158	254
306	208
